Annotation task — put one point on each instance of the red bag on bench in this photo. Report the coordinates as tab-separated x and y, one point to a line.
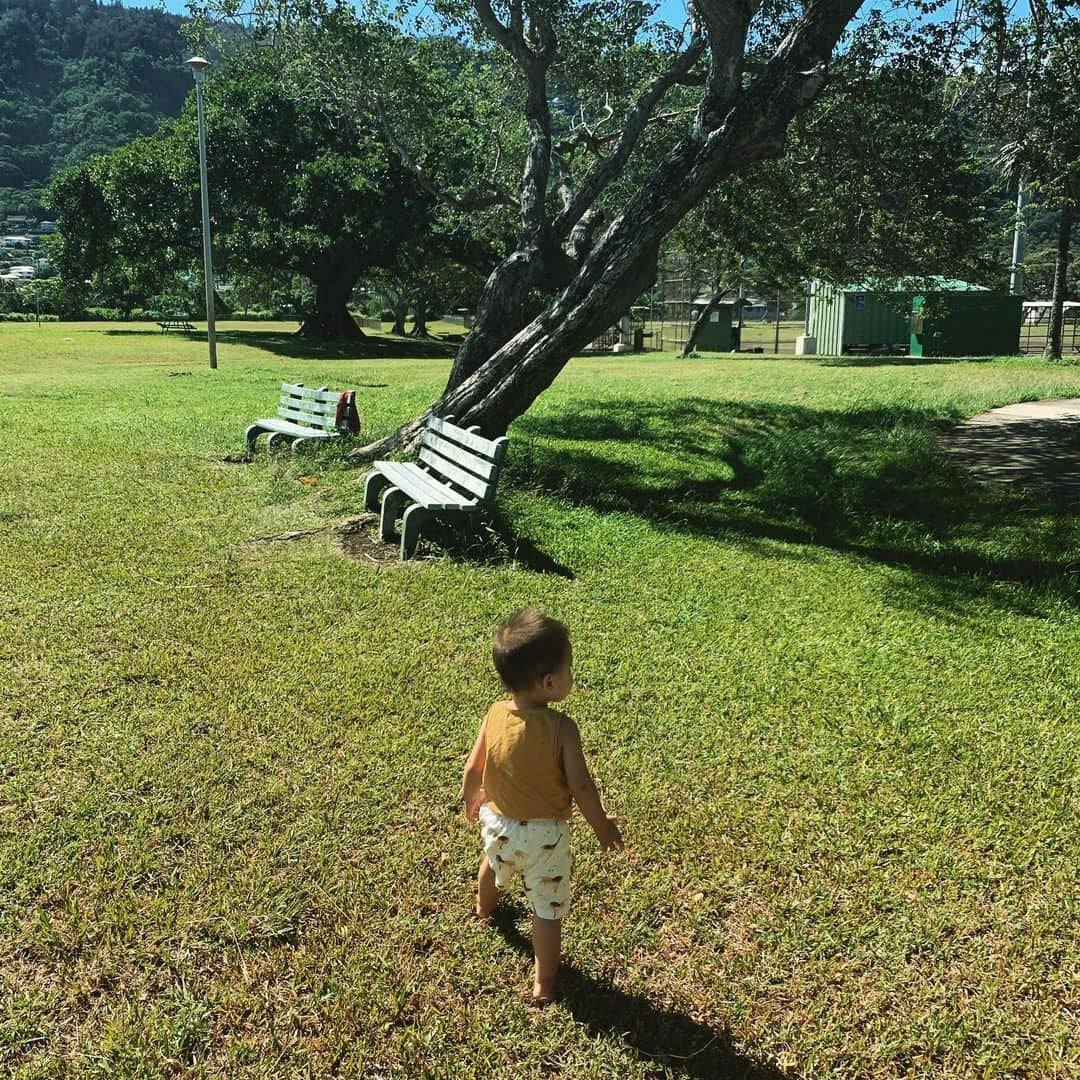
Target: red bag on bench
346	418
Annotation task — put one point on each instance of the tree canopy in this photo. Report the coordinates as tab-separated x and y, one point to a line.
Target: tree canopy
1031	97
298	184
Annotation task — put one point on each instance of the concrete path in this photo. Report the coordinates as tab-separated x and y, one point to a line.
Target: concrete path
1034	444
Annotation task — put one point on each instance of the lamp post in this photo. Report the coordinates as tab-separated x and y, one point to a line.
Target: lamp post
198	68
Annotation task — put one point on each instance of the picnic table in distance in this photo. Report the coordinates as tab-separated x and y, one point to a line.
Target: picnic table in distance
174	322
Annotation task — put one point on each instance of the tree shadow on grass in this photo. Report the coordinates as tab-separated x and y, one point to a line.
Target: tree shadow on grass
666	1039
292	345
869	482
901	361
370	347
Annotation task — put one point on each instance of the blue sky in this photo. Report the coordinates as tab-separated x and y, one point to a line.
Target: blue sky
669	9
672	11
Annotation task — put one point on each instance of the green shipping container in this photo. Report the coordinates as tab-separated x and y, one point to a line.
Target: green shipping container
850	318
971	321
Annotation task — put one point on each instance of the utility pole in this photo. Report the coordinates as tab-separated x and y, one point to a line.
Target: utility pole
198	69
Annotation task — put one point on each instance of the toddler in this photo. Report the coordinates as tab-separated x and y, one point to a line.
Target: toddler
522	777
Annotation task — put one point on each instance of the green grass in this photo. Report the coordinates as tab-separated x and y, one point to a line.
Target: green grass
828	682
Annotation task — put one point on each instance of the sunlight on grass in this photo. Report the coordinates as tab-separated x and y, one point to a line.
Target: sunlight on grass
827	681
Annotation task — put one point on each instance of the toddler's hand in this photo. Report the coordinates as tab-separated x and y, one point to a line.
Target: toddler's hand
609	836
473	801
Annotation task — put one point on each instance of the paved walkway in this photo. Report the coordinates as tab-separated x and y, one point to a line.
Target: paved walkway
1034	444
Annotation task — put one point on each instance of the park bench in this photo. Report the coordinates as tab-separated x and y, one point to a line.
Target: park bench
456	476
174	322
304	416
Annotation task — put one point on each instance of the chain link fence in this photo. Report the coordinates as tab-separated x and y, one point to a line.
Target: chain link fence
1035	327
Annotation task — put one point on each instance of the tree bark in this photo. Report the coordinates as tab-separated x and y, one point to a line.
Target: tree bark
401	310
503	309
1061	270
331	319
420	329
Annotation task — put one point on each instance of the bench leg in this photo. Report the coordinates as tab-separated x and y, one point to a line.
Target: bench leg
392	501
411	524
373	485
251	435
276	437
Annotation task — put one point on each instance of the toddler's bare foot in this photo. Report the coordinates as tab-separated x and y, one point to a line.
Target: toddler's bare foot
544	994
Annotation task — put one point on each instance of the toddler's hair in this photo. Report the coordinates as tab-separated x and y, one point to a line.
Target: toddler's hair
527	646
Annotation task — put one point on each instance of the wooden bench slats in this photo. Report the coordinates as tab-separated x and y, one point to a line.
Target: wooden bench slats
458	455
302	416
287	427
457	473
312	407
422	487
330	397
485	447
451	472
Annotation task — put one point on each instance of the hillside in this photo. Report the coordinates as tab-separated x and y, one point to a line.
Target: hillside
77	78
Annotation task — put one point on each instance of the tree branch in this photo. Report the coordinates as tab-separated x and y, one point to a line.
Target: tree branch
634	123
726	25
497	197
511	37
534	65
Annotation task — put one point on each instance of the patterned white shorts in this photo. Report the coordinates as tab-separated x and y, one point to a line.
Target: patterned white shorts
538	850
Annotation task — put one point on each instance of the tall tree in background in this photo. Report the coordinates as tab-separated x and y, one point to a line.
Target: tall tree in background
301	182
128	220
295	188
301	187
1035	100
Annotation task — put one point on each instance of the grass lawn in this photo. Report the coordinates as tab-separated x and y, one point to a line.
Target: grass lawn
828	682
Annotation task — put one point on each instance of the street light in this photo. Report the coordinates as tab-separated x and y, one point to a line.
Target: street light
198	69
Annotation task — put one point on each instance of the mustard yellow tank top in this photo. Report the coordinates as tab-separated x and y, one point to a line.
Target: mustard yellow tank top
523	776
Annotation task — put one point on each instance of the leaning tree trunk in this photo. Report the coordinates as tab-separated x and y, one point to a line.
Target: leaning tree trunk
1061	270
617	270
734	127
504	309
331	318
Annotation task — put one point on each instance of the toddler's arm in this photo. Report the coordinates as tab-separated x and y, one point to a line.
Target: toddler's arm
584	790
472	783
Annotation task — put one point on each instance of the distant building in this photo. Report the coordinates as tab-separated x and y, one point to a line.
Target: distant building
47	227
753	308
17	241
19	273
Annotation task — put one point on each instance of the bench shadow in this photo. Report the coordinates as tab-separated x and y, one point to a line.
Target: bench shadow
873	483
495	543
666	1039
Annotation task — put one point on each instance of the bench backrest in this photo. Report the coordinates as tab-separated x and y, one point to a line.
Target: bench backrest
312	408
462	459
